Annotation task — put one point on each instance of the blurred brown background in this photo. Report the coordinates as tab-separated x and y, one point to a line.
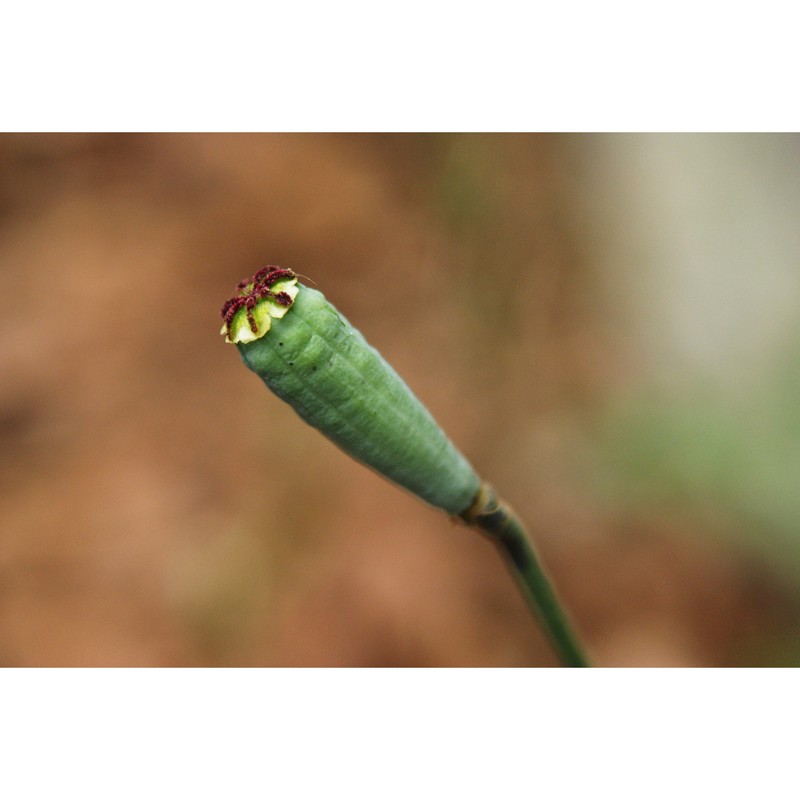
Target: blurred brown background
607	326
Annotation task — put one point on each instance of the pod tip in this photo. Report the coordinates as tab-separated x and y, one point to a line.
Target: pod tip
268	294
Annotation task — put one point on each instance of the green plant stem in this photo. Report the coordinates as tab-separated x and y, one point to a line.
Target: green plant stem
499	522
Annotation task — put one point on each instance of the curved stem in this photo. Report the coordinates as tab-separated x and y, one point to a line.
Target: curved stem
496	519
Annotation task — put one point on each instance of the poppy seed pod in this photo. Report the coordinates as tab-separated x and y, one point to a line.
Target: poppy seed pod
309	355
313	358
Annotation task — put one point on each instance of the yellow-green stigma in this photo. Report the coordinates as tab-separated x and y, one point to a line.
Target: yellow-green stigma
248	314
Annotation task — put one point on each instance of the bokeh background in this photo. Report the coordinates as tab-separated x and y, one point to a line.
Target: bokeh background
608	326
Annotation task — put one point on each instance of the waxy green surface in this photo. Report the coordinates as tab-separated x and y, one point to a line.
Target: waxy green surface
323	367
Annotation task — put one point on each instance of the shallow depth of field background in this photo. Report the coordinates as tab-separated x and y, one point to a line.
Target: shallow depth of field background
607	326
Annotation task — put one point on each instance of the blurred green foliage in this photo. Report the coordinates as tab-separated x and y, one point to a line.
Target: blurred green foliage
732	452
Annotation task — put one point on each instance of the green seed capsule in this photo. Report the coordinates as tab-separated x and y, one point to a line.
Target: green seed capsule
310	356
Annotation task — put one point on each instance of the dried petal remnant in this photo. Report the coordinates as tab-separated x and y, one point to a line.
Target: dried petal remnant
269	293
